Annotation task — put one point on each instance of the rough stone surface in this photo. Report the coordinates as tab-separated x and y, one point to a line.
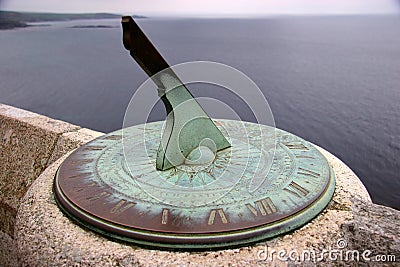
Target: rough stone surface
71	140
8	251
45	236
29	143
375	227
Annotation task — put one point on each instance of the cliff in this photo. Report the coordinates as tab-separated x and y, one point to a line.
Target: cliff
10	19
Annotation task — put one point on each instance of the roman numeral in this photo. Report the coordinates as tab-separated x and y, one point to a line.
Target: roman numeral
122	206
113	137
82	161
80	175
164	216
78	189
98	196
297	146
296	190
265	206
171	218
94	147
308	173
213	214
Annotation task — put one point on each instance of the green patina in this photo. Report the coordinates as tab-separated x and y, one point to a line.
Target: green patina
194	187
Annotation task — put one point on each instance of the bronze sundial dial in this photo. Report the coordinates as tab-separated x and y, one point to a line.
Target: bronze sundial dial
188	183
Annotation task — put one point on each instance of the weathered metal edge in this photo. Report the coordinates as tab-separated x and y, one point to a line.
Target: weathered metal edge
187	241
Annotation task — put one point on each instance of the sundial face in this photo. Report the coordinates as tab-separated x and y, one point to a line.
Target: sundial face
195	206
201	184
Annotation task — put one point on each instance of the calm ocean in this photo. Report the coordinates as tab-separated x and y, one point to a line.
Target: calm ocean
334	81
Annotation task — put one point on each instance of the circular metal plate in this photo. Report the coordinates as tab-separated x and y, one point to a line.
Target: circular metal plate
190	206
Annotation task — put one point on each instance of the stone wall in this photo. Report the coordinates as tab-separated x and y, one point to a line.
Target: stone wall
34	232
29	143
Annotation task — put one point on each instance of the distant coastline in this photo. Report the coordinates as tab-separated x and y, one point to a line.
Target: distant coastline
11	19
92	27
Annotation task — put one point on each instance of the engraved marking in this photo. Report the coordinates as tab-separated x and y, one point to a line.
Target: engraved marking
265	206
83	187
222	214
122	206
304	157
252	209
261	208
78	189
213	214
82	161
164	217
113	137
212	217
94	147
296	190
143	161
269	205
298	146
308	173
80	175
98	196
177	220
144	213
146	164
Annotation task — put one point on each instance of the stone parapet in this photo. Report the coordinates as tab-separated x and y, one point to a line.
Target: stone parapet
29	143
34	232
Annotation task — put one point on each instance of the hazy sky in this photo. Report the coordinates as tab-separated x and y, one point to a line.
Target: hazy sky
208	7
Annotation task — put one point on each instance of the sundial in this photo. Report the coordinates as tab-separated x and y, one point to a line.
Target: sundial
191	182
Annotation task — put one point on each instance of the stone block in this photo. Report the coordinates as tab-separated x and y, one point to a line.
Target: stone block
27	141
8	251
45	236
